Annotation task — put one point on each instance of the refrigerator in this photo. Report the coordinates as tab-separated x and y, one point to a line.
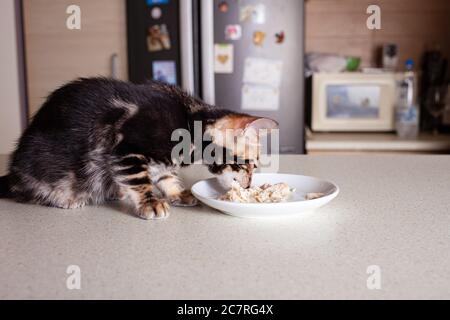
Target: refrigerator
243	55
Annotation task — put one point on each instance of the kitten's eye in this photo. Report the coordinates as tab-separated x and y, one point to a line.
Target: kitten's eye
252	163
246	162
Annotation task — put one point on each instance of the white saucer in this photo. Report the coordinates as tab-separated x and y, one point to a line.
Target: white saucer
207	191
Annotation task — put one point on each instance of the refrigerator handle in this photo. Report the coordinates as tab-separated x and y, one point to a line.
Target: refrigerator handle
114	61
207	40
187	46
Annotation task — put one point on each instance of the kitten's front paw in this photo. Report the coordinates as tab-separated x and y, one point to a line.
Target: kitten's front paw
185	199
155	209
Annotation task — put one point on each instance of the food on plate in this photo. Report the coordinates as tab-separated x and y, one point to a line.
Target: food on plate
314	195
266	193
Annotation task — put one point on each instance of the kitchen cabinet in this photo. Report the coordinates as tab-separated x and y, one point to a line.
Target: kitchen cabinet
56	54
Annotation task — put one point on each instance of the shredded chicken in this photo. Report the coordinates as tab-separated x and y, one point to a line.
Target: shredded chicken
314	195
264	194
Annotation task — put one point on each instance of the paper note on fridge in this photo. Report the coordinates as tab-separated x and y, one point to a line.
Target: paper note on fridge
254	13
257	97
223	58
263	71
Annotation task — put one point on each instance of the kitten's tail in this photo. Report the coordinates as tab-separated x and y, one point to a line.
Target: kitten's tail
5	191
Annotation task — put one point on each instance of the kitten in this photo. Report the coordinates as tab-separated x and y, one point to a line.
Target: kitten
97	139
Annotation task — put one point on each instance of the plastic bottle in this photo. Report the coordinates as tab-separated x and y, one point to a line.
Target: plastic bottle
406	109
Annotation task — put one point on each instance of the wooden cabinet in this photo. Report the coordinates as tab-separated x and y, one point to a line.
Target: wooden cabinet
55	54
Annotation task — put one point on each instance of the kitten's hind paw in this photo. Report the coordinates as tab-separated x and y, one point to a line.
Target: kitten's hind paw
154	209
185	199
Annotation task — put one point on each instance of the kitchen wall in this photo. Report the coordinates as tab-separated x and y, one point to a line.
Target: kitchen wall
339	26
11	97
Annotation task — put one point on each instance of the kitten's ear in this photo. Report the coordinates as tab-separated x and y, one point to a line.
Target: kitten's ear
245	122
240	125
261	126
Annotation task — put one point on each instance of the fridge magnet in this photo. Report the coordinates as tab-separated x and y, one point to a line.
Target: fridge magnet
165	71
259	14
223	58
253	13
158	38
279	36
223	7
263	71
233	32
257	97
245	13
156	2
156	13
258	38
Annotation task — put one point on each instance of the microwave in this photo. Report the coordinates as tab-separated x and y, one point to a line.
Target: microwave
353	101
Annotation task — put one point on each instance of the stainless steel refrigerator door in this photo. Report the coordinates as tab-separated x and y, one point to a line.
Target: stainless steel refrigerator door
187	46
225	90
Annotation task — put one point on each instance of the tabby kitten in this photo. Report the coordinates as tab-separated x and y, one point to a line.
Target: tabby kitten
98	139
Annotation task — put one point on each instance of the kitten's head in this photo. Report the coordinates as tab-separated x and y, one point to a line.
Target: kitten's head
239	136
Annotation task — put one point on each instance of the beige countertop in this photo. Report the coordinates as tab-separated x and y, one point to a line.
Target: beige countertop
392	212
